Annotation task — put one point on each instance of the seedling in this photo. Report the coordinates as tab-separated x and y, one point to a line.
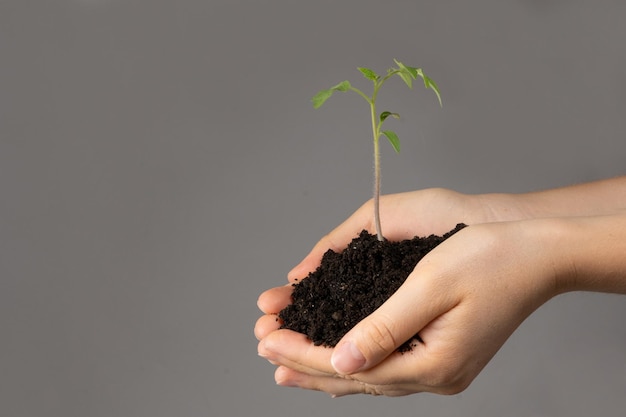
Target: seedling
408	74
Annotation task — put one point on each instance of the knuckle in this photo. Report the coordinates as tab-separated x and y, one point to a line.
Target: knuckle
372	390
379	333
369	389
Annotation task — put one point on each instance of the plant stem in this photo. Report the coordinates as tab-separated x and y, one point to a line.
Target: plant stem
376	134
376	124
375	130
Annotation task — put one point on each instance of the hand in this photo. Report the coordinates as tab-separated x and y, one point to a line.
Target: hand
417	213
465	298
404	216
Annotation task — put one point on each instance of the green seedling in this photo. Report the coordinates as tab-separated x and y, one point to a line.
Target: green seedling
408	74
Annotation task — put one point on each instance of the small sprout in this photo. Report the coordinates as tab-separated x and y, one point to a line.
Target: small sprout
408	75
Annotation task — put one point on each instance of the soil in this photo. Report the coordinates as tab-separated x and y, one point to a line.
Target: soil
351	284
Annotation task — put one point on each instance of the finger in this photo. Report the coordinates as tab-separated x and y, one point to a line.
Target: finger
427	368
336	240
335	386
416	303
400	372
274	300
287	377
294	350
265	325
444	364
338	386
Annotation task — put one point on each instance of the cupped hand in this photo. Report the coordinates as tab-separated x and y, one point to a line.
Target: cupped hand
465	298
450	298
404	216
410	214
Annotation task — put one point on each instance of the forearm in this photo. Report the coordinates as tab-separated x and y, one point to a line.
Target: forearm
587	199
593	253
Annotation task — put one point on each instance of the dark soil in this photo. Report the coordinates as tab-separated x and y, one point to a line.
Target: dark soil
350	285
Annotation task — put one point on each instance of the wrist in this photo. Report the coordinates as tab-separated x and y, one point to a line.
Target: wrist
586	199
504	207
594	247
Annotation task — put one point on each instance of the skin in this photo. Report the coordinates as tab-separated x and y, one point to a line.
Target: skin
467	296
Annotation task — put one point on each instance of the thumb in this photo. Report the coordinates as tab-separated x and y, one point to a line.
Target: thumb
367	344
415	304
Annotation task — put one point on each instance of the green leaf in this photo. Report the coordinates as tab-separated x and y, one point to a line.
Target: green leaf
412	72
393	139
342	86
430	83
319	98
369	74
408	74
386	114
406	77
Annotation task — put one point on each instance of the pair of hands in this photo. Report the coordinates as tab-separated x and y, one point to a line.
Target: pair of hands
465	298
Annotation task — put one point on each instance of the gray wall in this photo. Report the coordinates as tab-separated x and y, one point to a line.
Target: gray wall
161	165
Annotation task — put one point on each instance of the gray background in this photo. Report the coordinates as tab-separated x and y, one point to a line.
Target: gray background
161	165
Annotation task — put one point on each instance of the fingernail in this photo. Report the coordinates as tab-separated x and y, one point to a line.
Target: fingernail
263	352
347	358
283	379
287	383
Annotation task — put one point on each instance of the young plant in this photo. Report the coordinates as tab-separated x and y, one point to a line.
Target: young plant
408	74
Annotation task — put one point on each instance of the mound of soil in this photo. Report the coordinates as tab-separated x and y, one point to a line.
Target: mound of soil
351	284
